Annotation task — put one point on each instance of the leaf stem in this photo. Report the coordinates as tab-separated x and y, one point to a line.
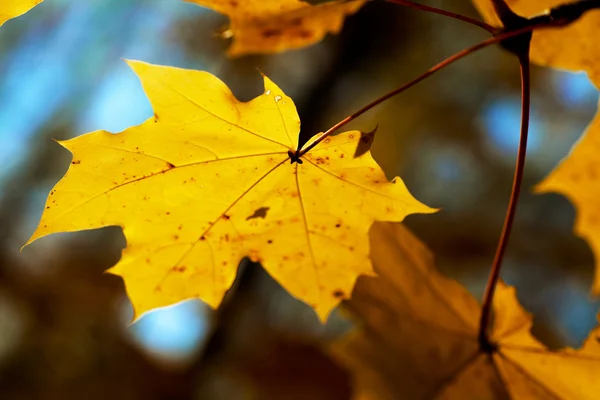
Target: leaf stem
484	339
453	58
506	15
450	14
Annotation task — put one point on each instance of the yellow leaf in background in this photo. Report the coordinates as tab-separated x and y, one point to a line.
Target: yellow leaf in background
417	337
13	8
208	181
574	48
577	177
271	26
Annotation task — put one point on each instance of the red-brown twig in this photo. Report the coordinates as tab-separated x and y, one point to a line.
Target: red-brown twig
463	53
561	15
484	339
450	14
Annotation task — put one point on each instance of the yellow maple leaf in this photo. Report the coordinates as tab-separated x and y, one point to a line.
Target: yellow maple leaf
418	338
270	26
208	180
13	8
574	47
577	177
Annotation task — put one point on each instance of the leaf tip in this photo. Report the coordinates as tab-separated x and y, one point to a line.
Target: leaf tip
323	314
137	66
35	236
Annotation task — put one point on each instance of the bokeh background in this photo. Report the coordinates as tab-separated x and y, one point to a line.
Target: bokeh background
65	327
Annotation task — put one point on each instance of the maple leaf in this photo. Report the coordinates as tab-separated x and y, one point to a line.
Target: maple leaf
270	26
13	8
573	47
208	180
577	177
418	338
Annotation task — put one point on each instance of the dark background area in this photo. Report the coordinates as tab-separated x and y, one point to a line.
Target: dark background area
64	324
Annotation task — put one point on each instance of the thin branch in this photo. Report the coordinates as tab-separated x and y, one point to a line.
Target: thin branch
561	15
461	54
450	14
484	339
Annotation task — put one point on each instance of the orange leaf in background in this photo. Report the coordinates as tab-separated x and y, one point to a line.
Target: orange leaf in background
417	337
577	177
13	8
271	26
208	181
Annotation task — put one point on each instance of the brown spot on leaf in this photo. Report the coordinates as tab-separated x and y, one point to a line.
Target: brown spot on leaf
338	225
178	269
176	237
575	177
202	237
592	172
225	216
338	294
271	32
259	213
305	34
269	241
76	162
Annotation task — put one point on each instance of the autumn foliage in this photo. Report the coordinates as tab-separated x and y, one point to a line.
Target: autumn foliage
209	180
